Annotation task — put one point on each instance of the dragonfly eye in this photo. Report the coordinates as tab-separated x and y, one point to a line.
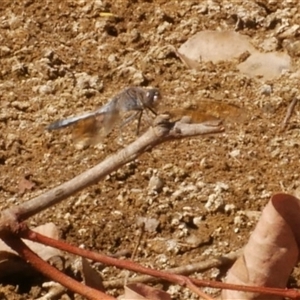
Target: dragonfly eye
153	96
156	97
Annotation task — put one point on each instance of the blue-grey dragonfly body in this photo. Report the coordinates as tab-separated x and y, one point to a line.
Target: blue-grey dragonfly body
134	100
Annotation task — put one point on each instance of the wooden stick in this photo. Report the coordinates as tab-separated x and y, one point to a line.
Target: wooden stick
182	270
162	131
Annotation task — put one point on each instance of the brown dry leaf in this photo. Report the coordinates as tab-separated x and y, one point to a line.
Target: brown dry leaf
11	264
268	65
214	46
43	251
272	250
25	185
91	277
140	291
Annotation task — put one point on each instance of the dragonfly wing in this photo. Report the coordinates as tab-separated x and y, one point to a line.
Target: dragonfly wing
196	116
228	112
206	111
93	129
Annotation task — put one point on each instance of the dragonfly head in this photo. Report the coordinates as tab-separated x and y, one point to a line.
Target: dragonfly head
152	97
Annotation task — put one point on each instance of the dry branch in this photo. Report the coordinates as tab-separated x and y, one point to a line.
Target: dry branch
288	113
10	219
162	131
182	270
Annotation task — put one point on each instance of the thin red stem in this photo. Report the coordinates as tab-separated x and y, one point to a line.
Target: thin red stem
123	264
129	265
28	255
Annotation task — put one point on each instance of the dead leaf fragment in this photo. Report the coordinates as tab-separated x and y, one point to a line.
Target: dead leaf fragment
91	277
140	291
214	46
268	65
25	185
271	252
12	265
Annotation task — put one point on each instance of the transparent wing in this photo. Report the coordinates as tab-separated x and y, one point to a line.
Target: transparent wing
93	129
206	110
123	108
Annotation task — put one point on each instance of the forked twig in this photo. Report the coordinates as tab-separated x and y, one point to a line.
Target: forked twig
10	220
162	131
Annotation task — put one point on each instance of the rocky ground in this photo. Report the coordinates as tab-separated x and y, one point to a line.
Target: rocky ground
60	58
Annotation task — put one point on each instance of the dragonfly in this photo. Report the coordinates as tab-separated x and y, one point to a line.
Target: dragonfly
91	127
130	103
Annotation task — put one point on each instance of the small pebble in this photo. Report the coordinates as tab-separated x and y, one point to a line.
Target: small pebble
155	184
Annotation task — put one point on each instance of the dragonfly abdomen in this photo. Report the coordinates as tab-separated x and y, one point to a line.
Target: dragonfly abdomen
69	121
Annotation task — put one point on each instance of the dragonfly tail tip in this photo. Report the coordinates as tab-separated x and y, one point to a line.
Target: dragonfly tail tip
53	126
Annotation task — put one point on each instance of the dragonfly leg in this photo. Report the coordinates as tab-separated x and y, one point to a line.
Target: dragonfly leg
152	110
129	119
137	115
139	123
148	118
126	121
